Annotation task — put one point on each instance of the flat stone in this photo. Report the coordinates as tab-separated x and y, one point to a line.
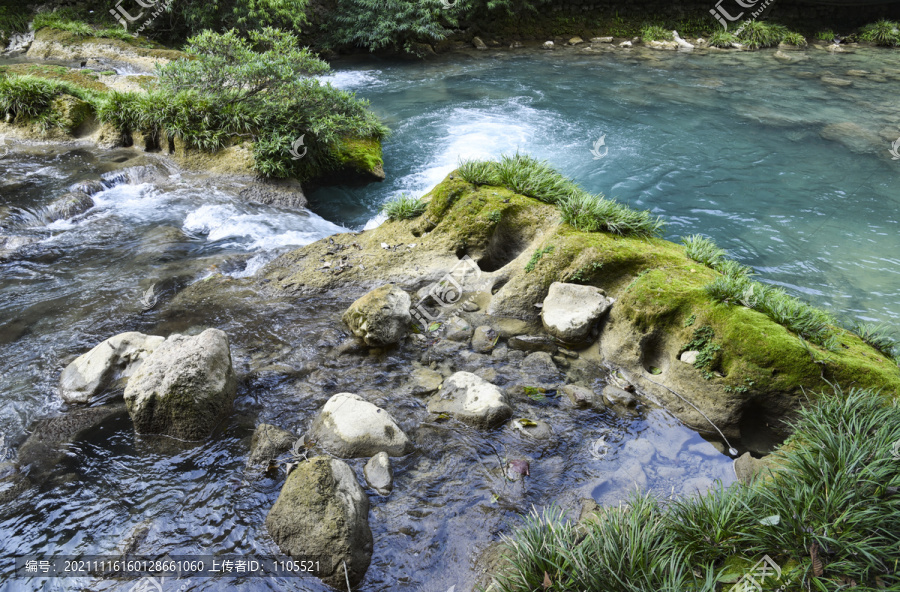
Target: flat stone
617	396
834	81
484	339
747	468
351	427
532	343
576	41
526	427
378	473
689	357
601	39
425	381
268	443
458	329
580	397
472	400
571	311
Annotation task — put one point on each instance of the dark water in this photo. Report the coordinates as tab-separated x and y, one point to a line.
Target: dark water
727	145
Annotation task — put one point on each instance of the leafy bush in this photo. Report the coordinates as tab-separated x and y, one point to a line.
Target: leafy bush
795	39
828	509
722	39
879	337
826	35
884	32
30	97
403	207
656	33
759	34
392	24
13	19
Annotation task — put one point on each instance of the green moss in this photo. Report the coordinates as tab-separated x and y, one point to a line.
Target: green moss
361	154
81	78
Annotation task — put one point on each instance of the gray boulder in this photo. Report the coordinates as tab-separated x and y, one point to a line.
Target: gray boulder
381	317
580	397
471	399
351	427
323	511
616	396
458	329
184	388
378	473
268	443
570	311
113	360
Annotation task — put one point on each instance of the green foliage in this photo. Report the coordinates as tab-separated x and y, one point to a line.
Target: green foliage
536	178
808	322
593	213
13	18
536	256
656	33
494	216
584	273
722	39
883	32
403	207
26	97
759	34
795	39
702	342
833	488
704	251
878	336
375	24
826	35
75	22
689	322
186	18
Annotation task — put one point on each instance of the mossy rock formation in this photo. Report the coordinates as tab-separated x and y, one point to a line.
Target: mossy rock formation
754	374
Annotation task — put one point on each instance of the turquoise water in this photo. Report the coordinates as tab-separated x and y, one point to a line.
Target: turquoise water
726	144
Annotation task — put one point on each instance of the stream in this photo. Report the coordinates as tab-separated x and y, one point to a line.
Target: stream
788	172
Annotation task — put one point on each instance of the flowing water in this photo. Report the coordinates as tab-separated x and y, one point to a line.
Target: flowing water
789	173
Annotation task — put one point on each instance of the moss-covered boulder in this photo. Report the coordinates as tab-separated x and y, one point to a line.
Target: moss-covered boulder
184	388
323	511
753	372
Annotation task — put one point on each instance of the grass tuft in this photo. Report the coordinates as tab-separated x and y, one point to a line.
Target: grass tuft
536	178
403	207
759	34
722	39
880	337
656	33
832	486
795	39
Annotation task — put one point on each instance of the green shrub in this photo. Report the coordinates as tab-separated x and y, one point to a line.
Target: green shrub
878	336
722	39
759	34
656	33
832	488
826	35
30	97
13	19
403	207
884	32
795	39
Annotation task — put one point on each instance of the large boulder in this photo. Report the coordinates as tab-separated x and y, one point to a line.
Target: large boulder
381	317
113	360
570	311
471	399
184	388
351	427
323	511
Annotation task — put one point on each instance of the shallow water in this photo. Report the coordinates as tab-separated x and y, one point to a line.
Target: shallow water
726	145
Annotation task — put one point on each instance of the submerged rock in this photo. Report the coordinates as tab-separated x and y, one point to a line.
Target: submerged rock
113	360
322	510
268	443
580	397
184	388
571	311
381	317
484	339
349	426
458	329
472	400
378	473
69	205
